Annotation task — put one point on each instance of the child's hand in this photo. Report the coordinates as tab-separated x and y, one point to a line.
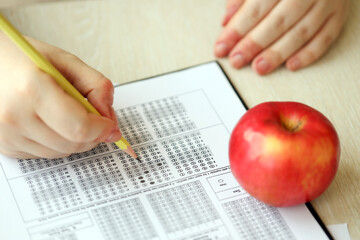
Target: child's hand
37	118
270	32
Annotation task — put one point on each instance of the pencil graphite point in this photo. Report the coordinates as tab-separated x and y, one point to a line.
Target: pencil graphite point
124	145
131	152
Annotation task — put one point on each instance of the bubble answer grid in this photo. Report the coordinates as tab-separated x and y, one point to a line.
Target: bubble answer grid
100	178
183	207
53	191
255	220
189	154
33	165
132	125
152	169
168	117
124	220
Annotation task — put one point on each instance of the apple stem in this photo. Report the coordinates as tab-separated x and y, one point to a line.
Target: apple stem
294	129
290	126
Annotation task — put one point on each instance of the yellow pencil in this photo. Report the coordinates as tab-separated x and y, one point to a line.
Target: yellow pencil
47	67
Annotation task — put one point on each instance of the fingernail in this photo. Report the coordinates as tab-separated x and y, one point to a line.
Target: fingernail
221	49
294	64
237	60
114	136
262	66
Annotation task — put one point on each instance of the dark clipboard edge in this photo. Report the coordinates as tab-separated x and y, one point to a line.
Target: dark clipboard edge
307	204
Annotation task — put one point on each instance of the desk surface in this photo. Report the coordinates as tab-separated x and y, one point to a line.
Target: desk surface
128	41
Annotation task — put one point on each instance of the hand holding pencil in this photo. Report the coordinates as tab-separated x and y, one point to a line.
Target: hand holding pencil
38	119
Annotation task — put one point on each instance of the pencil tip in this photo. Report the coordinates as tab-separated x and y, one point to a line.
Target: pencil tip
138	159
131	152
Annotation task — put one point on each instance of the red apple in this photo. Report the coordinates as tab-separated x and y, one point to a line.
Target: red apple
284	153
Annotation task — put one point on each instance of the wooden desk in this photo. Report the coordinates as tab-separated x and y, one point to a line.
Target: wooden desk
128	41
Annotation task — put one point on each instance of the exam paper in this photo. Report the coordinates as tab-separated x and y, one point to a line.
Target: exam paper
179	124
339	231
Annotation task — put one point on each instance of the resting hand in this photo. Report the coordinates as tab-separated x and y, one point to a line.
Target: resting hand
271	32
37	118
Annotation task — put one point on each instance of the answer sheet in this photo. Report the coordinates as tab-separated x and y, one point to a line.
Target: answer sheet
179	124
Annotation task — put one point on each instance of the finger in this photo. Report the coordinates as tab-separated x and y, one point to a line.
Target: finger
36	150
52	140
69	118
18	154
247	16
318	45
231	7
23	155
288	44
275	24
91	84
15	145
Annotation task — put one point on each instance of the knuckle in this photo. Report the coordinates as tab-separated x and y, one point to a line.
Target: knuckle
80	131
88	146
27	87
52	155
106	84
66	55
310	56
79	147
279	23
74	148
275	56
5	143
303	33
327	40
67	58
295	4
255	12
7	148
249	48
11	154
6	117
31	87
